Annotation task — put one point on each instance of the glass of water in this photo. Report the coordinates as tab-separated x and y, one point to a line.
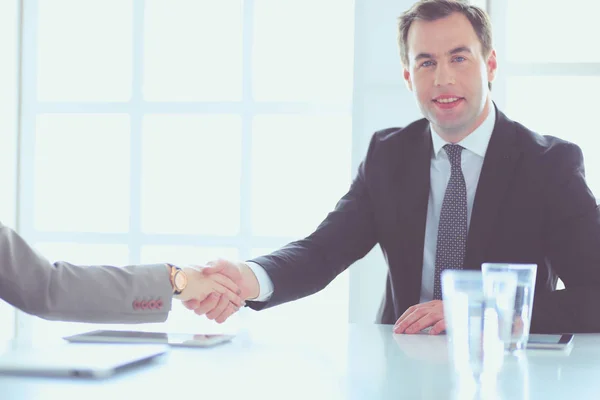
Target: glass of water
523	306
477	312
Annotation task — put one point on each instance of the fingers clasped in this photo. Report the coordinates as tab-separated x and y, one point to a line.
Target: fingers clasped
216	294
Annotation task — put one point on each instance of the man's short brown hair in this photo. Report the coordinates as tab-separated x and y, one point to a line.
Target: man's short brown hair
432	10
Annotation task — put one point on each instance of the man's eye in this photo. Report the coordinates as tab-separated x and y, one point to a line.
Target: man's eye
459	59
427	64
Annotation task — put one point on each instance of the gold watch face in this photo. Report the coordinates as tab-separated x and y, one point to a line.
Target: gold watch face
180	280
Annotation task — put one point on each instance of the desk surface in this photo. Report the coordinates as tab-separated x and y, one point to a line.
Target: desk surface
350	362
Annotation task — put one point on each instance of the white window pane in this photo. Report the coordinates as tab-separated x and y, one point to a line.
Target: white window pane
181	319
329	306
185	255
191	174
193	50
300	169
82	173
84	50
303	50
574	120
85	254
554	34
8	111
79	254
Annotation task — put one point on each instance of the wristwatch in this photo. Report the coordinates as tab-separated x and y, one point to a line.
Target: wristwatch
178	279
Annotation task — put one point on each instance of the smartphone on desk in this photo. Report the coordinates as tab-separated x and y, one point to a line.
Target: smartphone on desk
552	342
172	339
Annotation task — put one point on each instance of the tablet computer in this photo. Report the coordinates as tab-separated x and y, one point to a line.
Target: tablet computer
77	360
172	339
553	342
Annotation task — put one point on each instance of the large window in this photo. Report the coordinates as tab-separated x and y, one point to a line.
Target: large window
181	131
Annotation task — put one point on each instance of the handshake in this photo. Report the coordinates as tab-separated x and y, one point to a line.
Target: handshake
218	289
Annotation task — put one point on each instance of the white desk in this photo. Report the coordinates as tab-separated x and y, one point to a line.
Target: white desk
353	362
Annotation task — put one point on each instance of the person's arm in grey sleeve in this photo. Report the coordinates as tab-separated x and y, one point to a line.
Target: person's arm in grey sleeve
62	291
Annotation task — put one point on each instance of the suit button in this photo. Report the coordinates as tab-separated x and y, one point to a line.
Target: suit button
136	305
151	304
159	304
144	305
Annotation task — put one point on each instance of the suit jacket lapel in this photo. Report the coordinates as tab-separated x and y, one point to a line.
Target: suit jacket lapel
413	175
501	160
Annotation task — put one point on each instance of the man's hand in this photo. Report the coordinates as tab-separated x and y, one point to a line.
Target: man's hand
216	306
421	316
201	286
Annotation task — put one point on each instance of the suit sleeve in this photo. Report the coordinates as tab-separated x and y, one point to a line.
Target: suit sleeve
306	266
572	244
62	291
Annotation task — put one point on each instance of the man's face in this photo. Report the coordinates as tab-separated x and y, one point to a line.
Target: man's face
448	74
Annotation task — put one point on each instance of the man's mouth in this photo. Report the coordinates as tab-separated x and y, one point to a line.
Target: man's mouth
447	100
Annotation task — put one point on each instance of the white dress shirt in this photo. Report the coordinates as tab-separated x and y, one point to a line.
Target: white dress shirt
475	145
265	284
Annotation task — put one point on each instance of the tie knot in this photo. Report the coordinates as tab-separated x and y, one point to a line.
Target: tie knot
454	151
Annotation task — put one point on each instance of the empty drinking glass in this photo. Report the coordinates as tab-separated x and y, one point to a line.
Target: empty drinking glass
523	305
477	312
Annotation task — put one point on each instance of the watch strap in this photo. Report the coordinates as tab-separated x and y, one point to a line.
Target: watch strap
174	270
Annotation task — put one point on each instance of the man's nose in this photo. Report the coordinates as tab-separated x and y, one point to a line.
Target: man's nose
444	75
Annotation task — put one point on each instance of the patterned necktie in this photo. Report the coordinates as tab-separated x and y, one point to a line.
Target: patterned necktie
452	230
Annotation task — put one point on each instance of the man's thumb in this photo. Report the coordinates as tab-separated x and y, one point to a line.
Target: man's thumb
212	269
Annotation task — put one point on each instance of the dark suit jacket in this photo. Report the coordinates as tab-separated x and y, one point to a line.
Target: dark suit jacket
532	205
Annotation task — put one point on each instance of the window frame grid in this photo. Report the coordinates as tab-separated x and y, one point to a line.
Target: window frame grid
136	108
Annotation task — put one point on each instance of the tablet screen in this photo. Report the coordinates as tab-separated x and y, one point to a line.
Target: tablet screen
173	339
539	341
544	339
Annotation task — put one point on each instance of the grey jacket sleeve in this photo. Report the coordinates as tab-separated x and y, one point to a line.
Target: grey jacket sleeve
62	291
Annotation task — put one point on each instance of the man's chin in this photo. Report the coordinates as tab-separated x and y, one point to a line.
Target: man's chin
448	126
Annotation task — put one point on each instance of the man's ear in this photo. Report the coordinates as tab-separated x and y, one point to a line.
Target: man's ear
492	66
407	80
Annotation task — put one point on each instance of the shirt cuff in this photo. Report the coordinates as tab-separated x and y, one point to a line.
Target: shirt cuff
265	284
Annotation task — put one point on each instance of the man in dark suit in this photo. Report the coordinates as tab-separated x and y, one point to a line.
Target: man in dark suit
463	186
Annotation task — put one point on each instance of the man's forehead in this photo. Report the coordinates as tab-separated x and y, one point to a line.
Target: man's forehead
441	49
441	36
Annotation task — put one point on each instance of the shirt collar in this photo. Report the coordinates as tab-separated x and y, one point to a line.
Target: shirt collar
476	142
